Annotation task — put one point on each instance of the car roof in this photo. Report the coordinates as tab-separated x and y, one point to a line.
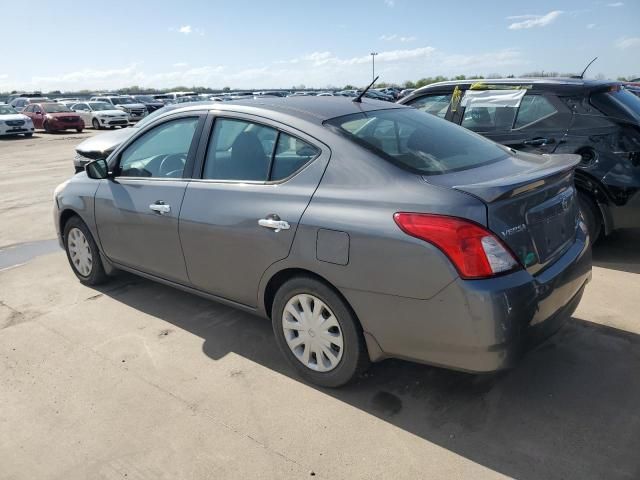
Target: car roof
557	84
309	108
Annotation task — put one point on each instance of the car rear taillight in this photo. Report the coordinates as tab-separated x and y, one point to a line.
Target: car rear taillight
473	250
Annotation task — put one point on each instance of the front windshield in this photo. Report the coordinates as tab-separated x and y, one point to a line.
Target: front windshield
100	106
144	98
122	100
7	110
55	108
418	141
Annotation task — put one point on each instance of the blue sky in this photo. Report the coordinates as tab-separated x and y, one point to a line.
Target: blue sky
249	44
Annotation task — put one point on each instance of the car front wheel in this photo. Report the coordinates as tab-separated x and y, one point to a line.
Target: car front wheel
96	124
318	333
82	252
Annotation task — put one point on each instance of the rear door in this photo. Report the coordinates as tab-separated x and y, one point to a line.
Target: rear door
241	213
137	211
536	122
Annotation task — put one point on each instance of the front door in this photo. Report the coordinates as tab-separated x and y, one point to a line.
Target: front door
137	210
241	216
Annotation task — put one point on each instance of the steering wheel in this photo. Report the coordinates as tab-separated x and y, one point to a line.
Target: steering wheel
172	165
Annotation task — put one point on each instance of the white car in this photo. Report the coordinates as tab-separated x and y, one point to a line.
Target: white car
14	123
101	115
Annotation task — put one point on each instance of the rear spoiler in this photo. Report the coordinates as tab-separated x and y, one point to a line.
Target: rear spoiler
554	166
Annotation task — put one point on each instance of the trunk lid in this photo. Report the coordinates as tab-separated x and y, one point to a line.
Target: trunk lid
531	203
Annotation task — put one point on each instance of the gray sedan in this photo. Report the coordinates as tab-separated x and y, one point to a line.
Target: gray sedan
362	230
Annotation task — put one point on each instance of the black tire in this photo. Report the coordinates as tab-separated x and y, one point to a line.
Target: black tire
97	274
355	358
79	130
96	124
28	135
591	215
45	126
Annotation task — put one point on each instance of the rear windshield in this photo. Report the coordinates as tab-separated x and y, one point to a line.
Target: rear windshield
616	102
418	141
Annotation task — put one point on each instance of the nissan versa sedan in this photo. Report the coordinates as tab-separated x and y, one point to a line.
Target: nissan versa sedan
362	230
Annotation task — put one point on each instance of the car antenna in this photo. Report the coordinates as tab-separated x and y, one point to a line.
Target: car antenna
358	99
585	68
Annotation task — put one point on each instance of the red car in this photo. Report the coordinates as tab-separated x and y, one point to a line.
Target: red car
53	117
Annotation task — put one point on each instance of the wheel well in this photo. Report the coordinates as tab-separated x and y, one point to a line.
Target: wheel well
64	218
284	275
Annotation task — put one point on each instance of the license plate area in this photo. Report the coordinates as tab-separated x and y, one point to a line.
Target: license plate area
552	224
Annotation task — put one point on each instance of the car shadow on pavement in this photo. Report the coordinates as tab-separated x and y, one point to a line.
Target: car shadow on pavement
570	410
619	251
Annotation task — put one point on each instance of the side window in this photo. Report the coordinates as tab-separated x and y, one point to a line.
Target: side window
291	155
81	106
488	119
434	104
239	150
29	108
533	109
37	109
161	152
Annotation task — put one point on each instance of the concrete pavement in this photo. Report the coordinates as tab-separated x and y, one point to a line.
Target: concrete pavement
140	381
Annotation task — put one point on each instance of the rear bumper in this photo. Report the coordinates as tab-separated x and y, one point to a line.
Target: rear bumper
477	325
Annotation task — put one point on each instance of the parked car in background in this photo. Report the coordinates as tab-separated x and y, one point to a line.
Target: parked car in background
598	120
14	123
136	111
172	97
462	283
67	102
53	117
149	102
101	115
101	146
405	92
271	93
20	103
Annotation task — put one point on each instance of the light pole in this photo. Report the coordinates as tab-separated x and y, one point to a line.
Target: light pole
373	65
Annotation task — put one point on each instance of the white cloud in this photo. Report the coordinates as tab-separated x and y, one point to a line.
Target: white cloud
531	21
4	76
186	29
317	69
628	42
389	38
390	3
180	65
591	26
615	4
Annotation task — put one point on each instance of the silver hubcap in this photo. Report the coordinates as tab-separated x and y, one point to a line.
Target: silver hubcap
79	251
312	333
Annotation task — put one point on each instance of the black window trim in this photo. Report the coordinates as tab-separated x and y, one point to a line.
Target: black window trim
115	157
198	171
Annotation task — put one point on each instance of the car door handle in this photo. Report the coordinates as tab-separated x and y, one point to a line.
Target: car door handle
160	208
273	223
538	142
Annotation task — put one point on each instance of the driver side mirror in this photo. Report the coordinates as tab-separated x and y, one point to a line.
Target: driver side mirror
98	169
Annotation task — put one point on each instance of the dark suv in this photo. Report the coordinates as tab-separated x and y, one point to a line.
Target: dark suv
599	120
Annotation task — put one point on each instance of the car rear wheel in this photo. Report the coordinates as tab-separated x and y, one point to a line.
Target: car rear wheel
96	124
82	252
79	130
591	216
45	125
28	135
318	333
